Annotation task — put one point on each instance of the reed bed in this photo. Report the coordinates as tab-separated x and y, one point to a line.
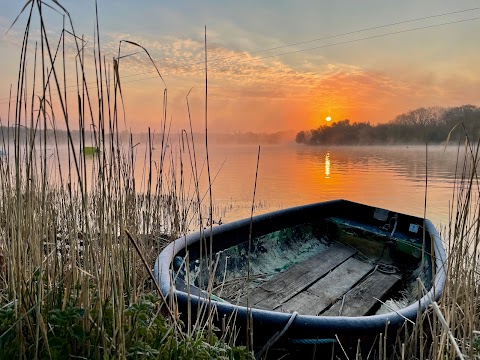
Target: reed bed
78	240
450	329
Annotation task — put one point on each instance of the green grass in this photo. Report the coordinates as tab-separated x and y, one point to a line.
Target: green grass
146	334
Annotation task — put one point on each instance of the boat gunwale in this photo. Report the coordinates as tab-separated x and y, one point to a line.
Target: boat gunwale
315	323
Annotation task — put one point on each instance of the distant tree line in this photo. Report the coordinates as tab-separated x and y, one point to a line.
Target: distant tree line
61	137
432	125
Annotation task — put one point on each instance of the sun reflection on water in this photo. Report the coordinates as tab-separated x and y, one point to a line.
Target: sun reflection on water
327	165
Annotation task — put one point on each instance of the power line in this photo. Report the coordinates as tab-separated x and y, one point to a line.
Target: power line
329	45
365	38
320	38
345	34
7	100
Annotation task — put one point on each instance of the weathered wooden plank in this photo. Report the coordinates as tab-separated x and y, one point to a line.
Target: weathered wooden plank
309	270
255	296
328	289
361	299
285	285
302	302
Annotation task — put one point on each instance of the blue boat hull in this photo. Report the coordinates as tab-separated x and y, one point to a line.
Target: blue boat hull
300	327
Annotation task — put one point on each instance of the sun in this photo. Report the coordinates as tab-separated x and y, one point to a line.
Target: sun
328	118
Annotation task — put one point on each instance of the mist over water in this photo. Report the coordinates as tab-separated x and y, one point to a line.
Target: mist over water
392	177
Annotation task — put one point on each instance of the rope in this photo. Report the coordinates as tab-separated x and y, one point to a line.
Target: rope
276	336
387	268
395	225
313	341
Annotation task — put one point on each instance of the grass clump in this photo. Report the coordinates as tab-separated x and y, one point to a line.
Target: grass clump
147	335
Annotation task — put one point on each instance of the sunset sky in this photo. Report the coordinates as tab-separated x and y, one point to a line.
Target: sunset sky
274	65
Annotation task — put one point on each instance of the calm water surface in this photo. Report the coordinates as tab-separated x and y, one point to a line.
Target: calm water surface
392	177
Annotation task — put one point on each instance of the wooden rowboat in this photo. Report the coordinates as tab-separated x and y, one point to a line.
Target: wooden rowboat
308	273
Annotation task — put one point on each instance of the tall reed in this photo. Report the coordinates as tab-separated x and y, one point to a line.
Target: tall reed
449	329
78	238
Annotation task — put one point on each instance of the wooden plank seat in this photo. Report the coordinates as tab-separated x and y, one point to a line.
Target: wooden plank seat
328	289
273	293
363	298
331	281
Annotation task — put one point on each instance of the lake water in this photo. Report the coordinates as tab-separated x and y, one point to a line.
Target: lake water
392	177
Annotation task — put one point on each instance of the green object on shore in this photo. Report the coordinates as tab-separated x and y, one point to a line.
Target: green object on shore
91	150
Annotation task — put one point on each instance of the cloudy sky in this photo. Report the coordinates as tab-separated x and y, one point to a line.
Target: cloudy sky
273	65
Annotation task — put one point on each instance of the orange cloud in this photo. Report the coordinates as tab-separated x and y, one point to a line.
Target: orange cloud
260	92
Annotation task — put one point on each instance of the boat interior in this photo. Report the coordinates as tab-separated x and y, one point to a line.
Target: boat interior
331	266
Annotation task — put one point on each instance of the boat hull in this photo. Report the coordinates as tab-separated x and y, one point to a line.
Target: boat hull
300	327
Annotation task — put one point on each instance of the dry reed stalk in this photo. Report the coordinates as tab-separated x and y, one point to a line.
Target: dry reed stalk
447	326
62	238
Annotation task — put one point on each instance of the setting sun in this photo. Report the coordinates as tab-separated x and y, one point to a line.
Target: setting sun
328	118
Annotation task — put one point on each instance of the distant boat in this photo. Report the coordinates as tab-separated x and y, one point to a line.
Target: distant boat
91	150
314	271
